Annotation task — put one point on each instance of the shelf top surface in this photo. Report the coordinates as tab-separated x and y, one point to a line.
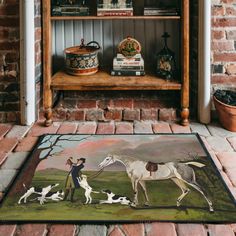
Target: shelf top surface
104	81
114	17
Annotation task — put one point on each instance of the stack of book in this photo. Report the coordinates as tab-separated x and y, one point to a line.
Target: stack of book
155	11
115	8
123	66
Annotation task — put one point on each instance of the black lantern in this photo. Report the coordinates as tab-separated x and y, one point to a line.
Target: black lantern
166	65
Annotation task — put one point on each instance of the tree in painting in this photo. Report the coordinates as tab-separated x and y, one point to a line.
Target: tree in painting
49	146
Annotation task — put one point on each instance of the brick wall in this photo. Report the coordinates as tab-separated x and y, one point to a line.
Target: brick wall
223	43
38	54
117	105
9	61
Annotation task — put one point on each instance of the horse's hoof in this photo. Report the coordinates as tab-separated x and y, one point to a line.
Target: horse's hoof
211	210
133	204
146	204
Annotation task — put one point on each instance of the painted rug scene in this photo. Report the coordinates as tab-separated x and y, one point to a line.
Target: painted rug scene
116	178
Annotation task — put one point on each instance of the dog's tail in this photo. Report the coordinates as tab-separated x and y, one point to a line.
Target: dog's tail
95	191
25	186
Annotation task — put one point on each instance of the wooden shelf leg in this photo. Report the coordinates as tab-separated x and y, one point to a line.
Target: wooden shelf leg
48	117
185	116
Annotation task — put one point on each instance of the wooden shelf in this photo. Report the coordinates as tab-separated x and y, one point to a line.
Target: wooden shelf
104	81
115	18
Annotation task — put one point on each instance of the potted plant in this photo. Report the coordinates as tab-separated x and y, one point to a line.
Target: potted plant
225	104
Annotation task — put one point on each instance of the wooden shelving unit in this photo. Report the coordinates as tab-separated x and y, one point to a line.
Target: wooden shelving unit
102	80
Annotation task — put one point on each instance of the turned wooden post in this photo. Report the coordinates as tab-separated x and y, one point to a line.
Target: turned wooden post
47	62
185	64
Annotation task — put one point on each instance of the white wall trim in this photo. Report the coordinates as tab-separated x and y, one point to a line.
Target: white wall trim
27	62
204	62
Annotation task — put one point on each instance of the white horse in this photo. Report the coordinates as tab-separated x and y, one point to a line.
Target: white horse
180	173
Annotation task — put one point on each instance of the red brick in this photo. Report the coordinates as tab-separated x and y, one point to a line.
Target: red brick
40	129
225	230
146	104
12	116
191	229
224	22
124	128
8	144
224	57
4	128
75	115
116	232
67	128
87	104
123	103
159	229
222	46
65	230
176	128
133	229
218	34
6	230
167	114
231	69
223	79
131	115
230	11
87	128
31	229
106	128
26	144
161	127
217	10
149	114
228	1
115	115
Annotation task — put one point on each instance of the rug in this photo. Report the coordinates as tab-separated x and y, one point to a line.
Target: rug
119	178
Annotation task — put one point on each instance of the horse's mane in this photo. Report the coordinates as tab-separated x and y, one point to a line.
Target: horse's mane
125	157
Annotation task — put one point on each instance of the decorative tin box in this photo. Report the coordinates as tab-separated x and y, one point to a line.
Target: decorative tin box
82	60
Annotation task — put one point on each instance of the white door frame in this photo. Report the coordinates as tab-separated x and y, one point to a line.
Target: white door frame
27	63
204	62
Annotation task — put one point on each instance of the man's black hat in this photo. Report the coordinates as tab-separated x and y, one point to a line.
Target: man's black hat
82	159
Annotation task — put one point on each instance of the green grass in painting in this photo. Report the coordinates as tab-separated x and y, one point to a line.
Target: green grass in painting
161	193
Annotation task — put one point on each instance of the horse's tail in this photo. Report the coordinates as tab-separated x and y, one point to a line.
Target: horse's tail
194	163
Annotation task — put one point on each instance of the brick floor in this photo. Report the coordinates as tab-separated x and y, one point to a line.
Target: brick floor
219	142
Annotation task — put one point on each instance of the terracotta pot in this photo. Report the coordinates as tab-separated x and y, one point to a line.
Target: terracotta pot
227	114
82	60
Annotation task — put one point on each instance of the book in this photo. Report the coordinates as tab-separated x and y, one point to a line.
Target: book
114	12
127	73
152	11
121	56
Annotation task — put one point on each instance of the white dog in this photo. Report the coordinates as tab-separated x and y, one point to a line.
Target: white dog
54	196
35	190
113	198
88	190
